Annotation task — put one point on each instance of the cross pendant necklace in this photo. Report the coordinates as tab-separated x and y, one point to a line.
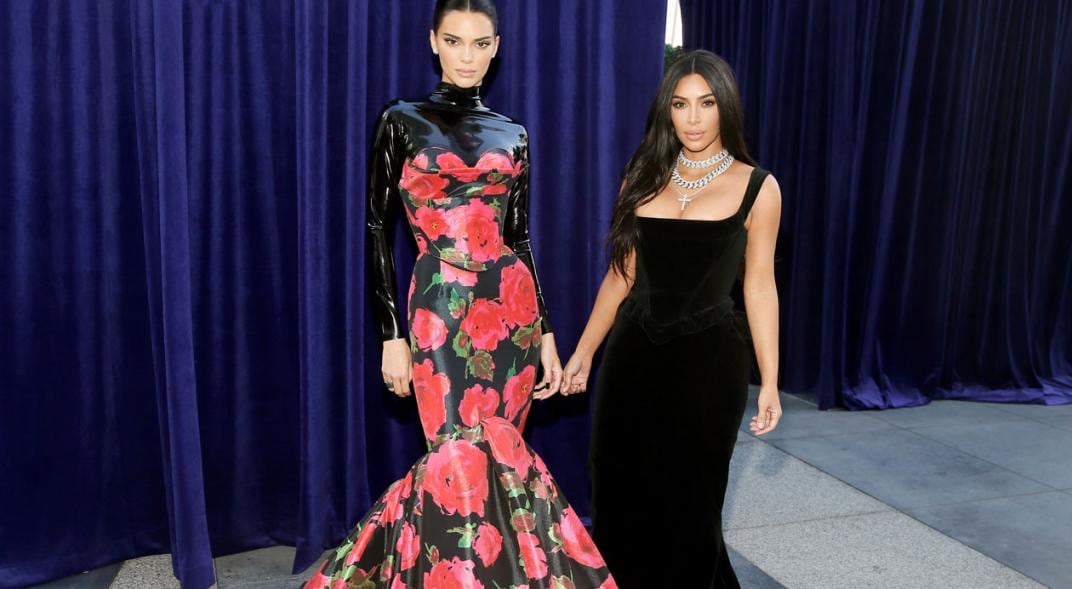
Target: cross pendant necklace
700	183
685	199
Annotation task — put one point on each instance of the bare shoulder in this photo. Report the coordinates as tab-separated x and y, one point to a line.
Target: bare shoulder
740	172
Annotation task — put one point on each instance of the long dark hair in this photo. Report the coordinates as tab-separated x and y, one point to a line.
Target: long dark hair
485	7
649	169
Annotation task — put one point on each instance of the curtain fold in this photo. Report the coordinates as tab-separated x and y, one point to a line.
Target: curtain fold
191	364
161	170
923	154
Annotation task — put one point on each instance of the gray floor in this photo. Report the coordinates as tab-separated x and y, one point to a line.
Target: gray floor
953	494
992	478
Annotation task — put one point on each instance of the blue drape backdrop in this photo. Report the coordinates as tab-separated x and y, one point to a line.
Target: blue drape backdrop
924	149
189	361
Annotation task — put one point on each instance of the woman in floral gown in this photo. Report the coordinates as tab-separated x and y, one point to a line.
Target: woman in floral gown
480	509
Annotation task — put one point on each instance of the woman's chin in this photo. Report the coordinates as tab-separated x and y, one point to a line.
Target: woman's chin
465	81
696	146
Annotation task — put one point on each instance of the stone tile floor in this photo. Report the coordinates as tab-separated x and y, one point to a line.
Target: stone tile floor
953	494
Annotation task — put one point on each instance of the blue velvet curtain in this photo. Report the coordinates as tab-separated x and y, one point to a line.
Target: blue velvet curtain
190	363
924	149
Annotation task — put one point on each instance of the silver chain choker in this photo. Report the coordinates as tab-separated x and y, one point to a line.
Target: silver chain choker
698	184
700	164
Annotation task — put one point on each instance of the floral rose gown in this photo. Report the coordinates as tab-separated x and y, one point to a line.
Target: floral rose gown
480	509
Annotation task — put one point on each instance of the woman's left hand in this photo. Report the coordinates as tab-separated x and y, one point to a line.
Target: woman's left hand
770	411
552	369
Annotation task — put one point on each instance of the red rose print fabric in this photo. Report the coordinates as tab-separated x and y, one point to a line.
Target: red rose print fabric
456	209
480	509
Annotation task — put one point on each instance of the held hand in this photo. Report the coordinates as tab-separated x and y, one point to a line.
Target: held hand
770	411
552	369
397	367
575	378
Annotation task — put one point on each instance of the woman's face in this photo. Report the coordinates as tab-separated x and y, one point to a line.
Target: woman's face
465	43
694	113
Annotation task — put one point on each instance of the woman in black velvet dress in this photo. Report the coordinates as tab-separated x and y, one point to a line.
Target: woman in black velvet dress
673	383
480	510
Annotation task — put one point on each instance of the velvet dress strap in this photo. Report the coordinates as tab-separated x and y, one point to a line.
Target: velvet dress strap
755	181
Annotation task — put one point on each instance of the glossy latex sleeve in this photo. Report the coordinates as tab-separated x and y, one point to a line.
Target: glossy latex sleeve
516	232
385	169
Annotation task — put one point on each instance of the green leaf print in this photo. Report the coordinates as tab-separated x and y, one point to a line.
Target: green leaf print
562	582
388	564
539	489
344	549
432	553
513	484
528	336
481	365
461	344
472	435
552	533
452	254
437	279
457	305
523	521
468	534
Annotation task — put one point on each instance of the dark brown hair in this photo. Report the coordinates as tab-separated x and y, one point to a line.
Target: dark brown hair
485	7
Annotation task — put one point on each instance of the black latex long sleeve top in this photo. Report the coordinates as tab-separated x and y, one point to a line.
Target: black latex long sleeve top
385	170
516	233
451	120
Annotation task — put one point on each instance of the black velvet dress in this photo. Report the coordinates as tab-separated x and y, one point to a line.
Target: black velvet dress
669	399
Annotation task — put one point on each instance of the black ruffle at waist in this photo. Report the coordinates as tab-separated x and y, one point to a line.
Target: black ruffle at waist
662	331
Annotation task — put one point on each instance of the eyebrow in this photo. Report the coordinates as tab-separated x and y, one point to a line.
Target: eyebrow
453	36
711	95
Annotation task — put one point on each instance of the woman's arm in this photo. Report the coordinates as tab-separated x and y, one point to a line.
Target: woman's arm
516	236
761	301
612	292
385	169
516	230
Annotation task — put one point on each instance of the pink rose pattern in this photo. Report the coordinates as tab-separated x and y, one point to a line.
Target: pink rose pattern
457	209
480	509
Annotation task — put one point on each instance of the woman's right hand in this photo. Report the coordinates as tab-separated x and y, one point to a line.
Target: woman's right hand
397	367
575	374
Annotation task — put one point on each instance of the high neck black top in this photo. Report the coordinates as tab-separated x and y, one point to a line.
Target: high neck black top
447	93
451	120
